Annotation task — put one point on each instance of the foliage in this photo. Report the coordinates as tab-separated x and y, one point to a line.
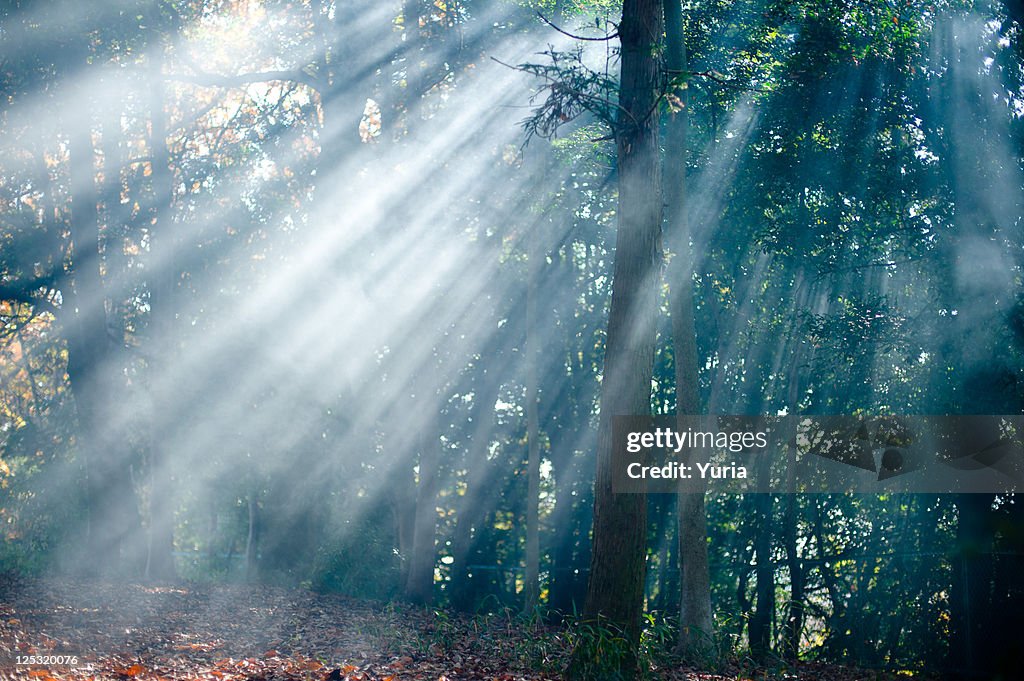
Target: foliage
572	89
338	308
359	562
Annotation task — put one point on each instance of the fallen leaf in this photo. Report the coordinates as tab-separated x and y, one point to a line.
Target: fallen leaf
132	671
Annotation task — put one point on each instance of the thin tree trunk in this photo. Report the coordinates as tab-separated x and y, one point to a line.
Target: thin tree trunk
250	538
760	628
742	566
795	614
795	610
564	588
695	581
160	558
532	576
419	586
835	621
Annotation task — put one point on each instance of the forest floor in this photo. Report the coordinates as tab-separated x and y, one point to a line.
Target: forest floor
133	632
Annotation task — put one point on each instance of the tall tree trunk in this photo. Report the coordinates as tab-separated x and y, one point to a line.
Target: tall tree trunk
532	576
160	558
742	550
695	580
795	610
760	628
795	613
618	563
835	622
662	523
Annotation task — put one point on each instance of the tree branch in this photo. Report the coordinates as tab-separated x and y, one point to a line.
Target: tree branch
27	292
716	77
555	82
574	36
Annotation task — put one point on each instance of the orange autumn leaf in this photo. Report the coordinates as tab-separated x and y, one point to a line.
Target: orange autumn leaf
132	671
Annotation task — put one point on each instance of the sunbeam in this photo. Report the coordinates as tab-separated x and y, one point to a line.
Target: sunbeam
324	325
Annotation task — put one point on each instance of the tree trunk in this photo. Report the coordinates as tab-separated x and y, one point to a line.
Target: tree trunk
419	587
760	629
565	588
618	565
532	576
795	611
160	558
970	596
695	630
695	581
250	536
795	614
662	523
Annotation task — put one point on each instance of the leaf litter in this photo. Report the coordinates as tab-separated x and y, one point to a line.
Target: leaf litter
236	632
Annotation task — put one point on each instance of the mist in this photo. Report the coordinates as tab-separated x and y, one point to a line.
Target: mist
304	311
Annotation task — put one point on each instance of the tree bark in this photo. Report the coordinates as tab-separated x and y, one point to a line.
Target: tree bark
695	580
618	566
532	575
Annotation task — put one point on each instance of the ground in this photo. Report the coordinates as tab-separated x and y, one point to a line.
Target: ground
135	632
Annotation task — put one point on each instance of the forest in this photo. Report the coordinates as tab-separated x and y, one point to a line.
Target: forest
323	323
